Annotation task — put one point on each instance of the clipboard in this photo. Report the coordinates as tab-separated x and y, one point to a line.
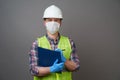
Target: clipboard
47	57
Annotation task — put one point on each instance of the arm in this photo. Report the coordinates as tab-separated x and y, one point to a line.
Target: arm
74	63
70	65
56	67
34	69
42	71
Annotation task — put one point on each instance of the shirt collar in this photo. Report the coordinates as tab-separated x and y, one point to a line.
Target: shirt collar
50	39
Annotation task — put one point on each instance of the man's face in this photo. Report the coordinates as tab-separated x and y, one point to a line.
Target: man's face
52	25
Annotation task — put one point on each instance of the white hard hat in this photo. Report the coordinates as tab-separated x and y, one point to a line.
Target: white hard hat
52	12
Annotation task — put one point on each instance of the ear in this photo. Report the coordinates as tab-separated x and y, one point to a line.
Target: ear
44	23
60	23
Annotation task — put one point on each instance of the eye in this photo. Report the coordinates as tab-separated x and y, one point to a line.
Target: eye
48	19
57	20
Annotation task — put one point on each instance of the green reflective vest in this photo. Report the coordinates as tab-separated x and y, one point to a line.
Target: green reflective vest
64	43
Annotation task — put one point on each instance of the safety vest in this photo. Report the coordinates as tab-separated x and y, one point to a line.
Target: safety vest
64	43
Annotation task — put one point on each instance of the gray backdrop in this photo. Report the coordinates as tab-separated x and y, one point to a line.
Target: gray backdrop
94	25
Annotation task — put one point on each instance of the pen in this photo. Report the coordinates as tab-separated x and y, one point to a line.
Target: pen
63	49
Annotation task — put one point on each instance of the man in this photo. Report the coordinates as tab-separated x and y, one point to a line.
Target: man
53	40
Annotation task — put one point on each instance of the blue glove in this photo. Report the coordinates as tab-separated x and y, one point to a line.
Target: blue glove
62	57
56	67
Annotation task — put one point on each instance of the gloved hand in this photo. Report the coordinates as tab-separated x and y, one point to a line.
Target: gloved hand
56	67
62	57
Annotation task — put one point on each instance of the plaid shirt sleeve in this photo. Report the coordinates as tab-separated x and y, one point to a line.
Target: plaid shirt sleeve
74	56
33	58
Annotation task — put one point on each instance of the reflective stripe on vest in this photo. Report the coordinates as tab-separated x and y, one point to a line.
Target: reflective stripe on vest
64	43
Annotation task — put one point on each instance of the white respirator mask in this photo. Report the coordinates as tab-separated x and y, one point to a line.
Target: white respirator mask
52	27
